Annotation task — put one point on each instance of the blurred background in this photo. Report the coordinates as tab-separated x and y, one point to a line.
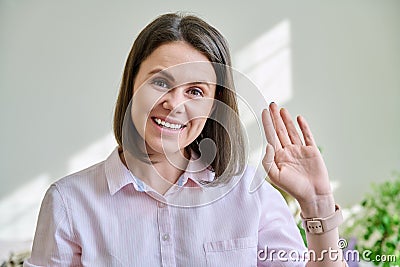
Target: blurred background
335	62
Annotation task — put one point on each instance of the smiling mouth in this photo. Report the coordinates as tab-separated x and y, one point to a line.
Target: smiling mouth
168	125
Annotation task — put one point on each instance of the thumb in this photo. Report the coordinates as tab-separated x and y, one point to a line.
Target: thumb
269	163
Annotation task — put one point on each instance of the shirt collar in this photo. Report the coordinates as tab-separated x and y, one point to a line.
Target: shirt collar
118	175
197	171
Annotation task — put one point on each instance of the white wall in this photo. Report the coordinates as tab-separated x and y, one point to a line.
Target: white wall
61	63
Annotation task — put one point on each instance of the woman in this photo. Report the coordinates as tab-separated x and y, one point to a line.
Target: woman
149	203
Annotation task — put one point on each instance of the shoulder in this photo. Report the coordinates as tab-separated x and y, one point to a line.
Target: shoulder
85	184
254	189
255	181
83	177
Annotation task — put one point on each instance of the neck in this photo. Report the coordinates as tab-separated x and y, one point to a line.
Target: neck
161	173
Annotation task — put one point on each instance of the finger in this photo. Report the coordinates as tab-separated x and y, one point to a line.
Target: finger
290	127
269	130
269	163
305	129
280	127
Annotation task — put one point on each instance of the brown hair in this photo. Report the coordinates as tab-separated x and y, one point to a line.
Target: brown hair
229	140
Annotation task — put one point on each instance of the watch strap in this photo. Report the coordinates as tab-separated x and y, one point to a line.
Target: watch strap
323	225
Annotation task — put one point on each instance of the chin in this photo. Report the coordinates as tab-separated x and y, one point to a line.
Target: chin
162	148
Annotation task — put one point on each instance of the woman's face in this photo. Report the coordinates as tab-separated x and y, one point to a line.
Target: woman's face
172	97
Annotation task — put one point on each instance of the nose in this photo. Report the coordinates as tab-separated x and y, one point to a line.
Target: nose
174	101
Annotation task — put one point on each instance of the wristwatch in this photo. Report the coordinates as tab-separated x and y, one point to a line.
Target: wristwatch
323	225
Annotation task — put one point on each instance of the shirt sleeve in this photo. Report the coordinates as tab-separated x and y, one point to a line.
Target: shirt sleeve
279	242
54	243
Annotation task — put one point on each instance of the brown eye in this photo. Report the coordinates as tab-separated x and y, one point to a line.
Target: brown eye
196	92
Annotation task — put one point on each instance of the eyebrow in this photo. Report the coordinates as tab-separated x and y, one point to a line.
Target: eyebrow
162	72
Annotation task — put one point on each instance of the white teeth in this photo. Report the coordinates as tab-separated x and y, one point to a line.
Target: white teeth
167	124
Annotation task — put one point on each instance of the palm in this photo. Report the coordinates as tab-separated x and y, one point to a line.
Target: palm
296	168
300	170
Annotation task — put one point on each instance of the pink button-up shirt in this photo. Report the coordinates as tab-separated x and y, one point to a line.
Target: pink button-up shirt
105	216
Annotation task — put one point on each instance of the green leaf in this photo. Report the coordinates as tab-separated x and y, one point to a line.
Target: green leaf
364	203
390	245
376	225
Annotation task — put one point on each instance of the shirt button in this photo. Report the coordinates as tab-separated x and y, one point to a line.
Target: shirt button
161	205
165	237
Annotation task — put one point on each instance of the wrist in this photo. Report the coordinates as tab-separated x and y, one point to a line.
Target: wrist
323	225
319	206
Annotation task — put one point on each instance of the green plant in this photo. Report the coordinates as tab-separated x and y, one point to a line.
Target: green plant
16	260
376	225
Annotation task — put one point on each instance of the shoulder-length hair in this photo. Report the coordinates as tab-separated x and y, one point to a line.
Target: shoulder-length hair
229	140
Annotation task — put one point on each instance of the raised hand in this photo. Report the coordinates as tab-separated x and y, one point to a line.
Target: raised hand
294	166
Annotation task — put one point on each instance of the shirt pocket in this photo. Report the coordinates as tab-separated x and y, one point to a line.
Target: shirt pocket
239	252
